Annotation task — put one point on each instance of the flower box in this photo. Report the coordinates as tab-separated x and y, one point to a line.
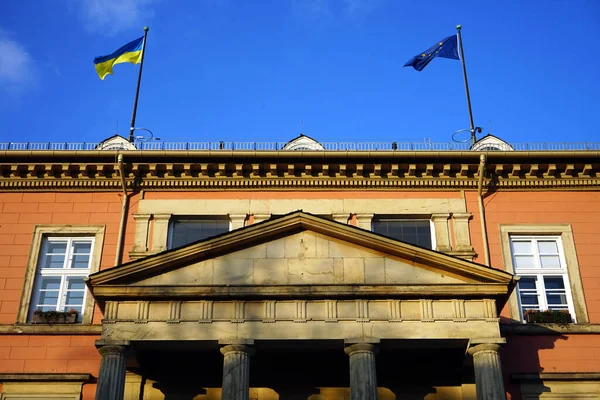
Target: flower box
55	317
548	317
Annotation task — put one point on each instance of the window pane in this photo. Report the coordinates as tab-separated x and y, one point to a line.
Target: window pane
49	297
550	261
82	247
74	298
416	232
548	247
76	284
556	298
54	261
56	247
522	247
527	282
524	262
529	299
50	283
185	231
554	282
81	261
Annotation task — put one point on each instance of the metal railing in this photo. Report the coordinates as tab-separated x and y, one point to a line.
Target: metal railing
327	146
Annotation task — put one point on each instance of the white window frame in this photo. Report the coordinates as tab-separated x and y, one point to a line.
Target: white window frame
407	218
539	273
570	254
64	273
35	256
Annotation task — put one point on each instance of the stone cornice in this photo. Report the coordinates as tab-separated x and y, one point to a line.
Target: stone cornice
549	329
248	170
48	377
43	329
495	290
556	376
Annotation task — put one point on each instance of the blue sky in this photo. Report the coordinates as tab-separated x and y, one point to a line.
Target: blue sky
253	70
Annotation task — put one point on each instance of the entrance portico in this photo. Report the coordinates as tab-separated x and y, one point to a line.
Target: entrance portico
277	304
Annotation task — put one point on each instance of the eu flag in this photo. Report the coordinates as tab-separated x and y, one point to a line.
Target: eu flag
446	48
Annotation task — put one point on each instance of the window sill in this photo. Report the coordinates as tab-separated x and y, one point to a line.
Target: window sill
548	329
47	329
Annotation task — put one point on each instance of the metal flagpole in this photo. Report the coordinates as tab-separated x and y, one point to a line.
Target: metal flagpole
137	90
464	68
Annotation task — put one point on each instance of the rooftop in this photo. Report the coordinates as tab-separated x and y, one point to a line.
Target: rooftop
325	146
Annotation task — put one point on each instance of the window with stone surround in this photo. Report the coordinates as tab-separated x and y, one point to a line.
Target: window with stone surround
543	279
61	257
188	229
544	258
410	230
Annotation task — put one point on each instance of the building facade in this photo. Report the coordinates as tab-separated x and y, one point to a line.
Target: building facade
299	272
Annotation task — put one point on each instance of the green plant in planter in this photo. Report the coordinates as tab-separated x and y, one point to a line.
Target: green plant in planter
548	316
55	317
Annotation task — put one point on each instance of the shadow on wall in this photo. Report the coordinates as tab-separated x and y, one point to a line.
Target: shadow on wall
521	353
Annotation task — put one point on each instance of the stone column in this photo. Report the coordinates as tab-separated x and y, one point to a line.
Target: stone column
236	368
364	221
488	372
160	232
142	222
461	231
442	233
111	379
363	377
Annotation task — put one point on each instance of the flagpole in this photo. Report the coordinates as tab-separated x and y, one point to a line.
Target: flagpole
137	90
464	68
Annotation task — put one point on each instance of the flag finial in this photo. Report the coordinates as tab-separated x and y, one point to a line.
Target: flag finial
146	29
458	27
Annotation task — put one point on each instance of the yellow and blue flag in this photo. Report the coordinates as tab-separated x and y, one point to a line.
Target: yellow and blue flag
445	48
131	52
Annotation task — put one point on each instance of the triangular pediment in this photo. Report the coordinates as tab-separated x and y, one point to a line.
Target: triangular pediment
300	254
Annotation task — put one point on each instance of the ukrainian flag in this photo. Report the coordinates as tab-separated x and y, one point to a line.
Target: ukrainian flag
131	52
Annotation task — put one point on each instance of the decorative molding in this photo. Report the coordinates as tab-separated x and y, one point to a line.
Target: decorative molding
332	311
284	170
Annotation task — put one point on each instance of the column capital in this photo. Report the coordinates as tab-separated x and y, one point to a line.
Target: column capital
112	350
237	348
484	347
461	216
141	217
162	217
360	348
440	216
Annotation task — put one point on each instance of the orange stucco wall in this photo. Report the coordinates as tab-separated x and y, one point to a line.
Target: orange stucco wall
19	213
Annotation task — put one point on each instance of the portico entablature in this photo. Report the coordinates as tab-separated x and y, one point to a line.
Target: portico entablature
300	319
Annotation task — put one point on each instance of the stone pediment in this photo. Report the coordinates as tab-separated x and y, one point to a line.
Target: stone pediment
299	255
